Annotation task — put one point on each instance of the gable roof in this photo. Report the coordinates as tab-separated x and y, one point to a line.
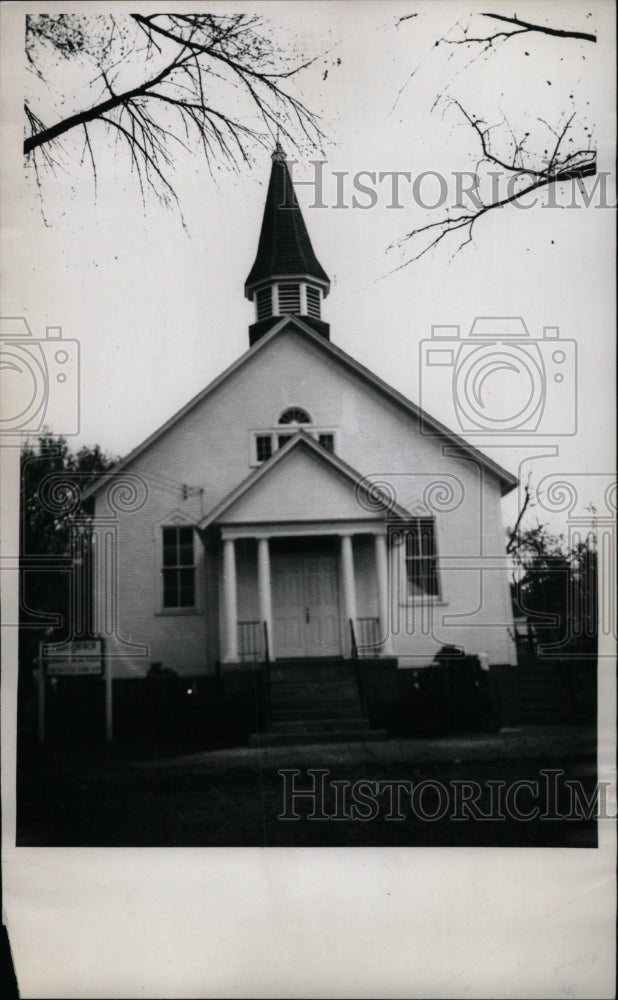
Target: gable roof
507	480
284	247
301	441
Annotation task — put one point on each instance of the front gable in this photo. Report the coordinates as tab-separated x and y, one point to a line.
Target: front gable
302	482
208	444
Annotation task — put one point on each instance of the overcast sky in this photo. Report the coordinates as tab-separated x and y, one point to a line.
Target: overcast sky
159	309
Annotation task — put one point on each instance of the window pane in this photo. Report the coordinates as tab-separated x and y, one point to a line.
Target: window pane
283	439
263	447
170	589
185	536
187	590
327	441
186	555
170	547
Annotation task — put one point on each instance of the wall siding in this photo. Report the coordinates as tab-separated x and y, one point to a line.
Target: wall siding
209	450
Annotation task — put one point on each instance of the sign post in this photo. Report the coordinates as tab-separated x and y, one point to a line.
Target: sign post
109	717
78	658
41	695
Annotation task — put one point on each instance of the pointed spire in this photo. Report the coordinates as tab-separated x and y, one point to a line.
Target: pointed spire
285	258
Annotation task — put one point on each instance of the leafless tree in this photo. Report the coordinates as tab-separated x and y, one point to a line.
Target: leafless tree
558	153
213	82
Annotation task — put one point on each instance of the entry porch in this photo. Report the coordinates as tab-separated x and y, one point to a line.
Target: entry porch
303	592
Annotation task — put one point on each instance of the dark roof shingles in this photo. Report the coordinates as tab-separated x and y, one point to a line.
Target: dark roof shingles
284	246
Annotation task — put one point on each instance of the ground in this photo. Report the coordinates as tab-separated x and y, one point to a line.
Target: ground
117	796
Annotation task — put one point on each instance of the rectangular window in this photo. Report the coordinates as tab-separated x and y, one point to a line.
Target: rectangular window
420	557
313	302
178	568
264	303
289	298
327	441
263	447
283	439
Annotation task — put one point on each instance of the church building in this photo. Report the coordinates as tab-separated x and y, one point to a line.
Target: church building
300	527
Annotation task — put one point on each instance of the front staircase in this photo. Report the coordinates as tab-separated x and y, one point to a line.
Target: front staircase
314	701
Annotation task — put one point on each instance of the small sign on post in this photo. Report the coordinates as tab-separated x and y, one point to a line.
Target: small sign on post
78	658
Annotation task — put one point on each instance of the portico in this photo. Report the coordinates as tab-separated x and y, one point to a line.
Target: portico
298	586
305	591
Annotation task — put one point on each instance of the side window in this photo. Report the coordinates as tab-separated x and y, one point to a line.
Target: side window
421	559
178	568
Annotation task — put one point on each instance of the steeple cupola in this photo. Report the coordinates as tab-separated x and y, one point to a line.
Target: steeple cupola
286	277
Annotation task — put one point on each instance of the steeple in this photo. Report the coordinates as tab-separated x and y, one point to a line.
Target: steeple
286	277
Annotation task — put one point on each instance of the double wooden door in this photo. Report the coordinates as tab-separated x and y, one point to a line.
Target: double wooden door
305	604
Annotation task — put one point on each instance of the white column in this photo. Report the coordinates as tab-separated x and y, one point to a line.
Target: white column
264	592
229	601
303	299
349	588
382	578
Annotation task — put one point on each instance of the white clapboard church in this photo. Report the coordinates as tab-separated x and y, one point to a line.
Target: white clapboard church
299	517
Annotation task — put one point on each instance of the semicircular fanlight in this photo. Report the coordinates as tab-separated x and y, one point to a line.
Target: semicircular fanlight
294	415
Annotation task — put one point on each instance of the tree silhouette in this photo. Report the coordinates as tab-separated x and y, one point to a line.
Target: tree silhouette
53	479
215	83
515	161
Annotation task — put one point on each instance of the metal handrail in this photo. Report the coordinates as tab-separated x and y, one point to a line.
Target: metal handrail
267	681
358	670
369	634
353	643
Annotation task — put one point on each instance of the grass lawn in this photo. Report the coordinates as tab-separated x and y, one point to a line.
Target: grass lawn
112	796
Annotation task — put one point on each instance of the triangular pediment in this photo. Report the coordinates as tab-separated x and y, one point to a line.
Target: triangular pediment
302	482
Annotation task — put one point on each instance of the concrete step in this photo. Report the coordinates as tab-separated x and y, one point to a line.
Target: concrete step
315	710
315	694
315	672
305	739
319	725
333	687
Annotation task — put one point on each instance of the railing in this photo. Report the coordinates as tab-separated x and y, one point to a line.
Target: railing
358	669
249	642
267	688
368	636
254	647
353	643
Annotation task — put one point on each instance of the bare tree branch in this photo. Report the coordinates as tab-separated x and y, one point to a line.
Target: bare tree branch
513	533
521	180
524	27
190	66
518	27
522	170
